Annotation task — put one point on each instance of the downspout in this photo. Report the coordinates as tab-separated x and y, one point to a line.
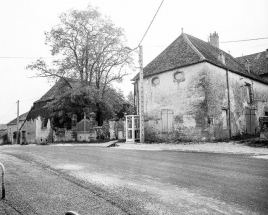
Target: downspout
229	107
134	85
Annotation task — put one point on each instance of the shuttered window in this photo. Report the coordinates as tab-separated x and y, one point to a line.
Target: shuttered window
249	93
224	119
167	120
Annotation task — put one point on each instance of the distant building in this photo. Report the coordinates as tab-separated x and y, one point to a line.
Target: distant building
12	127
3	134
257	62
38	124
195	91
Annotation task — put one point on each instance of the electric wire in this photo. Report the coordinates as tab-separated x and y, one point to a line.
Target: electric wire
151	22
7	111
30	99
235	41
2	57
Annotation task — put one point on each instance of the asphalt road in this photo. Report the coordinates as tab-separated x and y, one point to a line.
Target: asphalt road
94	180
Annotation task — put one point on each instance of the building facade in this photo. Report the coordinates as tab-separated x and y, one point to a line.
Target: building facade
195	91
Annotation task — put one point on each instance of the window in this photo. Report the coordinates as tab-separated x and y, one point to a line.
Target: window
249	93
167	120
210	120
44	122
179	76
155	81
224	119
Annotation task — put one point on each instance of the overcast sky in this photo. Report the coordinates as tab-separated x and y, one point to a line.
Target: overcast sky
23	24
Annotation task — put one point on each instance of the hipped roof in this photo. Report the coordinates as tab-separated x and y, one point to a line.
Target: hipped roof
188	50
258	62
39	108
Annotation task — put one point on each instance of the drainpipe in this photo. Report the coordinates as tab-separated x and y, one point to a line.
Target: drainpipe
229	108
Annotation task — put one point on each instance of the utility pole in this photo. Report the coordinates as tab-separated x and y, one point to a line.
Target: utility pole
17	140
141	95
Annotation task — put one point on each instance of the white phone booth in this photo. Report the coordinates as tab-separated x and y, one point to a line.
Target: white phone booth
132	128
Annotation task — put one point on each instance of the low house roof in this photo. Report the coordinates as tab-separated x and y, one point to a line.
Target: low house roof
22	117
3	126
258	62
59	87
3	132
39	108
188	50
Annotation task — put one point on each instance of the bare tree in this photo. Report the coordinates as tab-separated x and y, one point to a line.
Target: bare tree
90	48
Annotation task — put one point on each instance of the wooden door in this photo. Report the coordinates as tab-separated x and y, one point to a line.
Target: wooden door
250	121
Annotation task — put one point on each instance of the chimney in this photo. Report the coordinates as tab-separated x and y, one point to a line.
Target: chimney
221	58
247	66
214	39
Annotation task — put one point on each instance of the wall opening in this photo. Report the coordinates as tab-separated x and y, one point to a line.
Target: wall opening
249	93
224	115
155	81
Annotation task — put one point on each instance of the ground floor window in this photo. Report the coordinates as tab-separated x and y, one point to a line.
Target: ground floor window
224	119
167	120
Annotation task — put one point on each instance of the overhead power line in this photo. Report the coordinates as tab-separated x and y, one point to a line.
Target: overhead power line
8	111
30	99
151	22
36	98
25	57
234	41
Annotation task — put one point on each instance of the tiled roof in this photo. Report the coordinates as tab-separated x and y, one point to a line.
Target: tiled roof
177	54
59	87
22	117
187	50
258	62
39	108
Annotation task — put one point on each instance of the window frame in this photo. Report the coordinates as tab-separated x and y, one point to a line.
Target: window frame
153	79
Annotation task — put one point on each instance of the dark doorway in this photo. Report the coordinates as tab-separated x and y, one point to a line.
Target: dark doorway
250	121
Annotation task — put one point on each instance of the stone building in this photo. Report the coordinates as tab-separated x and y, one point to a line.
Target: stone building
257	62
12	127
38	126
195	91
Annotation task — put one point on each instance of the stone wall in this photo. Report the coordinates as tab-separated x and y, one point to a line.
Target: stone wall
239	104
63	135
175	106
30	131
43	134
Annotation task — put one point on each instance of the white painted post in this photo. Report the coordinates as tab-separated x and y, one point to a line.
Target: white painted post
3	181
141	95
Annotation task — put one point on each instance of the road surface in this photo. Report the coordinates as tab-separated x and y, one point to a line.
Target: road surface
95	180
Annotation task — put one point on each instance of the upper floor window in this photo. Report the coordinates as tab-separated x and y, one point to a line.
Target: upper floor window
179	76
249	93
155	81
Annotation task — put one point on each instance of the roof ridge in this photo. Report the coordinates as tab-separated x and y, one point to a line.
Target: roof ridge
193	47
250	54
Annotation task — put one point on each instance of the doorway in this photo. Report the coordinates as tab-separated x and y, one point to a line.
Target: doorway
250	121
